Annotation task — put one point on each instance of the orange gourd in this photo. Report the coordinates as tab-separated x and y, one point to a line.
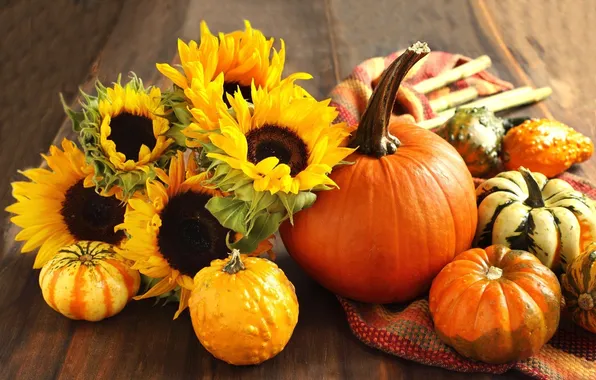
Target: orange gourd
545	146
405	206
88	281
243	309
495	305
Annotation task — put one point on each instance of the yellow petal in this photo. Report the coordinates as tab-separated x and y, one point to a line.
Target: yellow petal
165	285
144	153
183	304
185	282
261	184
173	74
50	248
280	171
267	165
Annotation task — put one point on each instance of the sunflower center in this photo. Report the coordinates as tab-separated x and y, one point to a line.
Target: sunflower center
90	216
232	87
130	132
190	237
280	142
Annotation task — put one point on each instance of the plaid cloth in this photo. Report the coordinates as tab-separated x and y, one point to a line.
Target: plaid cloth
407	330
351	95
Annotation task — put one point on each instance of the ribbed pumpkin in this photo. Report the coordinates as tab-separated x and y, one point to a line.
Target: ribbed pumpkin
404	207
579	289
89	281
243	309
525	210
545	146
495	305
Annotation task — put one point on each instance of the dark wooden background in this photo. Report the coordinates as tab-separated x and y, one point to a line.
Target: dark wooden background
51	47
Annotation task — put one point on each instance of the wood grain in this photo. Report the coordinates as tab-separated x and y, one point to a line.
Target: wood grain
525	40
551	45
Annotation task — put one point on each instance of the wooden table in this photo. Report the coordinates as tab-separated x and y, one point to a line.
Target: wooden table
50	49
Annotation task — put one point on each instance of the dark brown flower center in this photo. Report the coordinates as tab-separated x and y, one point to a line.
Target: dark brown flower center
232	87
90	216
280	142
190	237
130	132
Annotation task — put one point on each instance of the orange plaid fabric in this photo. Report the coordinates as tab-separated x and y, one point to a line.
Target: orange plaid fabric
351	95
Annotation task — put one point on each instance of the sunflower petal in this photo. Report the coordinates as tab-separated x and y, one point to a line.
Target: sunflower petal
165	285
267	165
50	248
183	304
173	74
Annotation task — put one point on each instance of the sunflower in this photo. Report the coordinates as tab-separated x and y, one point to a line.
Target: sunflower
60	206
172	234
124	134
283	143
223	65
271	156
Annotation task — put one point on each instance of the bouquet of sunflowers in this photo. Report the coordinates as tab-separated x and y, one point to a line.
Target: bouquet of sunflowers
165	184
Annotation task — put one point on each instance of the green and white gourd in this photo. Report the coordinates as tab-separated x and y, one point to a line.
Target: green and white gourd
526	211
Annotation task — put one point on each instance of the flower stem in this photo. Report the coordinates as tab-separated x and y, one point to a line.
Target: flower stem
372	136
235	264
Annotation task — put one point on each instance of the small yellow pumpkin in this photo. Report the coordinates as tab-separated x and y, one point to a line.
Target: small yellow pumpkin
88	280
243	309
579	289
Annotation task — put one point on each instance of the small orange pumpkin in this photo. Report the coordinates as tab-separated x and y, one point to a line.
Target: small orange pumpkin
545	146
243	309
495	305
89	281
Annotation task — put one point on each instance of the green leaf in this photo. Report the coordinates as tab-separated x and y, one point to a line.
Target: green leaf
265	224
262	200
245	192
175	132
75	117
295	203
182	115
232	178
230	212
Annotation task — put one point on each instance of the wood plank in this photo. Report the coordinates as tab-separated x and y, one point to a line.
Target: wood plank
551	45
30	331
45	50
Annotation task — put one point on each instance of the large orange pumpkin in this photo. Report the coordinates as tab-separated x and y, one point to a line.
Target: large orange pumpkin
496	305
403	209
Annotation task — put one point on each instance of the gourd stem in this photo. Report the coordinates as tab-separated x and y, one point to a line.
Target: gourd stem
372	136
494	273
585	301
534	194
235	264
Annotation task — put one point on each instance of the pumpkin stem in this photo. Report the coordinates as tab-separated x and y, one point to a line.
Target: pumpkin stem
235	265
585	301
372	136
534	194
494	273
86	259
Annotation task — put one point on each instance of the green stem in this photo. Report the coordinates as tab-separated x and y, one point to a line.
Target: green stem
534	194
511	122
372	136
235	265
